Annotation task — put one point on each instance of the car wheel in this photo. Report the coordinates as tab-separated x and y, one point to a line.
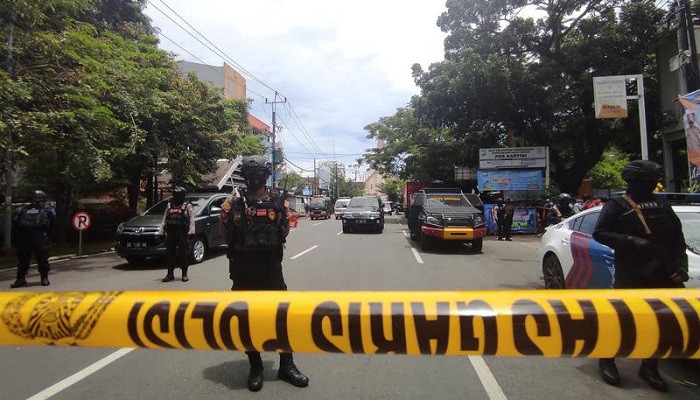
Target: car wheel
198	250
553	275
477	244
135	261
413	235
426	242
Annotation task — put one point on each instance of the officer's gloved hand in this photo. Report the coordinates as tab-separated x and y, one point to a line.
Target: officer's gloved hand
681	275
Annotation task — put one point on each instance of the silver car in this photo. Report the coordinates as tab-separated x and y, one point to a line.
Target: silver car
141	237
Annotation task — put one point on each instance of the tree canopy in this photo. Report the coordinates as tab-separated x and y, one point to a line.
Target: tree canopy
522	69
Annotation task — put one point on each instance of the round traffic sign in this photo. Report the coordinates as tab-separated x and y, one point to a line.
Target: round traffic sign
81	221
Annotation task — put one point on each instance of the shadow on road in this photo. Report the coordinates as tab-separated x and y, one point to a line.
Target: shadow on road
234	374
443	247
151	264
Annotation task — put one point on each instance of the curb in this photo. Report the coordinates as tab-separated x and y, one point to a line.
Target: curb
63	257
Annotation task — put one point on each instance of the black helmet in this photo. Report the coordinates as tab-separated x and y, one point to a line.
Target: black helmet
642	170
179	194
38	194
564	199
255	171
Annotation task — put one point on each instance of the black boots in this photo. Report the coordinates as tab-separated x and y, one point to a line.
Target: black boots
289	372
608	371
649	371
255	378
169	276
20	282
45	280
184	275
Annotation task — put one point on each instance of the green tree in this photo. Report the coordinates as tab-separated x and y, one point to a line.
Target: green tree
507	72
607	173
392	188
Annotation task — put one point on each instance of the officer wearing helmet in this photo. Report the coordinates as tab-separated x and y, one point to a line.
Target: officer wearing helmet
649	248
178	224
257	225
564	207
32	227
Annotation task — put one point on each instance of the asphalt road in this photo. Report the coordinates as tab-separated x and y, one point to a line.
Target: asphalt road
319	257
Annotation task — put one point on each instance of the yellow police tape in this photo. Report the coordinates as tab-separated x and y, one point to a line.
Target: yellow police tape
590	323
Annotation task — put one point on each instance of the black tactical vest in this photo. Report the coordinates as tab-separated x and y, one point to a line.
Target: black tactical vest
34	218
257	225
177	216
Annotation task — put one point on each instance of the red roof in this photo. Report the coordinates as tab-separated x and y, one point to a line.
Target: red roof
258	125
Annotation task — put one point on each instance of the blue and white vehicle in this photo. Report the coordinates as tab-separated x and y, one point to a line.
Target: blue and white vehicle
571	258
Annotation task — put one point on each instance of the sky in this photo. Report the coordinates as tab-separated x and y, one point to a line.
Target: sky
340	65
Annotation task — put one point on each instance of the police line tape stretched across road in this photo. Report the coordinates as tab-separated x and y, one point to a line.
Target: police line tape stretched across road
590	323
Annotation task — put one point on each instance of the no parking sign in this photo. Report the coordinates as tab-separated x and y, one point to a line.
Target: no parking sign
81	221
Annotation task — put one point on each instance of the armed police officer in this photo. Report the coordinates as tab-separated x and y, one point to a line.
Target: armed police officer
32	227
649	248
178	223
256	223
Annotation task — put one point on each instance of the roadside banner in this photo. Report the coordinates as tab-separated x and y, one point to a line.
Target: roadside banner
610	96
513	179
583	323
691	123
524	219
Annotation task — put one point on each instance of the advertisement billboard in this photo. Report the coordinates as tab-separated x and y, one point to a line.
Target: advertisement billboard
610	94
488	180
513	157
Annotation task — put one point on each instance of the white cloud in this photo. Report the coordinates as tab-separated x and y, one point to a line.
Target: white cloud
342	65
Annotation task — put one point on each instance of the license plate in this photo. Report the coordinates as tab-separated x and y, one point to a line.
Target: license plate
361	221
136	245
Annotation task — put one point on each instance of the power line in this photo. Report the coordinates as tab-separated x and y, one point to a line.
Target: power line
218	51
297	121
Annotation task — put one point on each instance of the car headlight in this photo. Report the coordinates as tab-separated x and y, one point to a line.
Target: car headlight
478	220
120	228
374	214
433	220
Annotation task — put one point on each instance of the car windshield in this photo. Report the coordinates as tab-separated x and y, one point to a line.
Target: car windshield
446	200
198	204
691	230
359	202
341	204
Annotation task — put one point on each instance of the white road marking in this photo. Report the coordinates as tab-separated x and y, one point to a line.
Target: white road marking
493	389
339	233
416	255
404	232
304	252
317	223
80	375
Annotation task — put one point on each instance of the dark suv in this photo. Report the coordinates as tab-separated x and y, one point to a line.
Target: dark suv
141	236
445	214
364	212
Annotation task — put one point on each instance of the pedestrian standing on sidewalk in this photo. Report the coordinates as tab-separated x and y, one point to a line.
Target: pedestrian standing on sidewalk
508	211
179	227
33	226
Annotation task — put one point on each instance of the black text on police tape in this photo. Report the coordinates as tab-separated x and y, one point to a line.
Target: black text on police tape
148	326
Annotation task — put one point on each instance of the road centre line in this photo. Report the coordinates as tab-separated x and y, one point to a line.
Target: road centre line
317	223
80	375
339	233
404	232
493	389
304	252
416	255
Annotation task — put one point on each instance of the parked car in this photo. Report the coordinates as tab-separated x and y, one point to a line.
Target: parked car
141	237
340	206
398	207
444	214
364	213
571	258
388	209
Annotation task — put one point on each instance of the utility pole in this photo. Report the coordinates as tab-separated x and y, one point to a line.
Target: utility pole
687	14
274	102
686	43
8	152
314	187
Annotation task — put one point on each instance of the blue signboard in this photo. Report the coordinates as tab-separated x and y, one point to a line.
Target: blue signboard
513	179
524	220
306	192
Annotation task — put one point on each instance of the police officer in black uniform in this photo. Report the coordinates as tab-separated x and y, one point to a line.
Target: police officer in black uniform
257	225
178	223
32	227
649	248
